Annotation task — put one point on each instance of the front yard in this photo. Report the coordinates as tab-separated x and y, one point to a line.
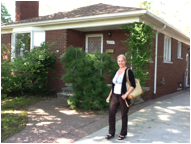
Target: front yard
14	114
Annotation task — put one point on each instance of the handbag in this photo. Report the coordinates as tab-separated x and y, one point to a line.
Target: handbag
137	90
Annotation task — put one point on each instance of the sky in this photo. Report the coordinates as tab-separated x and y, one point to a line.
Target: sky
174	12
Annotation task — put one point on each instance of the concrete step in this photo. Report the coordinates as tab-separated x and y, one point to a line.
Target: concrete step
67	89
64	95
67	92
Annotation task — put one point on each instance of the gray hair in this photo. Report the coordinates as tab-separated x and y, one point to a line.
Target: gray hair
122	56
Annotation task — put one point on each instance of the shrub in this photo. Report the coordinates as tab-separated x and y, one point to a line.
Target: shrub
86	73
30	71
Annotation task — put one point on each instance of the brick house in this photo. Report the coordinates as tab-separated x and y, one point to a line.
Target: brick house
99	24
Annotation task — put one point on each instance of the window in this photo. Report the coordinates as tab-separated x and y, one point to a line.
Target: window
179	53
25	41
167	49
22	43
94	42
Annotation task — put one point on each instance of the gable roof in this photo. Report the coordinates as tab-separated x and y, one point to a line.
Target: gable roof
92	10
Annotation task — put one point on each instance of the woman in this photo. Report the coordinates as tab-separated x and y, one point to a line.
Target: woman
119	93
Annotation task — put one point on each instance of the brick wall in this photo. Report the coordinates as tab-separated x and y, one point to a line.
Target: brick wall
63	39
60	37
75	38
26	9
172	73
6	40
150	82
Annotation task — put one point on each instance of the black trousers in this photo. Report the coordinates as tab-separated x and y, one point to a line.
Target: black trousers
115	102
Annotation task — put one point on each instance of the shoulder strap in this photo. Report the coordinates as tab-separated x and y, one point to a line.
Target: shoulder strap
127	75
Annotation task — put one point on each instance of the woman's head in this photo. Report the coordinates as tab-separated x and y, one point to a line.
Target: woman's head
121	60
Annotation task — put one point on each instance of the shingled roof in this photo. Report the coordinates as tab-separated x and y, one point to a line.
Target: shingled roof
92	10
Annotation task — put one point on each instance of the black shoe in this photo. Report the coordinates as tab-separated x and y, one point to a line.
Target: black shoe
109	136
121	137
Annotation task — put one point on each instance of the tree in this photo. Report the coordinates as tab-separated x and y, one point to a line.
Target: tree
5	16
145	4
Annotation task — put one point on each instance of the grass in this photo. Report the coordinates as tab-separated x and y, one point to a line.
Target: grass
14	114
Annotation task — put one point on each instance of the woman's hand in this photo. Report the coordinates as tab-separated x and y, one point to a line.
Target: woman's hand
124	96
108	99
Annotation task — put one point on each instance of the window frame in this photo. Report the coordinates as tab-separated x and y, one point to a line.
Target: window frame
167	50
30	30
179	50
93	35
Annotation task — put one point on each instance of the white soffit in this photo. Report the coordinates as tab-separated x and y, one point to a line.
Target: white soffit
6	31
91	25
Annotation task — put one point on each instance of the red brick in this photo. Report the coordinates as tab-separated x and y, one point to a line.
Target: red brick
26	9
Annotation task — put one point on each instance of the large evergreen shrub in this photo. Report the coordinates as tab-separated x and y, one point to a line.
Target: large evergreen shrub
86	73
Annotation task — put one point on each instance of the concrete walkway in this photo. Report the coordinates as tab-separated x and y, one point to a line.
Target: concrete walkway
167	121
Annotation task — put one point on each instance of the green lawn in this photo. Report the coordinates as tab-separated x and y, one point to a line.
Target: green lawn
14	114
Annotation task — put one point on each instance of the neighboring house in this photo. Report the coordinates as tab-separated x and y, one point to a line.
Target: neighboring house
99	25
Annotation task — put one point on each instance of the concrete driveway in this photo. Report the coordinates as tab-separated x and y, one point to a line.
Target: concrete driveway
166	121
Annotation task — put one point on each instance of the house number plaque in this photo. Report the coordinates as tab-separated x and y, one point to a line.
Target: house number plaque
110	51
110	42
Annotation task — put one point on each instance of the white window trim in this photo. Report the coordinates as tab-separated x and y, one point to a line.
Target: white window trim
93	35
12	46
168	51
30	30
179	44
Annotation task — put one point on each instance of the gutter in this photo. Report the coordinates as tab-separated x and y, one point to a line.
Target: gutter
170	27
156	50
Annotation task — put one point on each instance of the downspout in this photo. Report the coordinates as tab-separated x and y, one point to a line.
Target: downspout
156	50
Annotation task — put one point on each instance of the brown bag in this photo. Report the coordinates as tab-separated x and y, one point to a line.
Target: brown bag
136	92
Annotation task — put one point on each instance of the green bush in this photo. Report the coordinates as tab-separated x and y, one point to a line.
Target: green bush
30	71
86	73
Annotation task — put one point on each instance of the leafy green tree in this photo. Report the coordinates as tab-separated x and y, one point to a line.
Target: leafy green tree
5	16
139	48
145	4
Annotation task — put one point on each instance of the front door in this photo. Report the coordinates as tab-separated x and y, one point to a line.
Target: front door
94	42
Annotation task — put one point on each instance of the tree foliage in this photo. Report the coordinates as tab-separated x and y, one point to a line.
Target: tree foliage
5	16
86	73
139	48
145	4
29	73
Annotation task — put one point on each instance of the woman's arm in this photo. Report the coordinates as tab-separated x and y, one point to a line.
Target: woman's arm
128	92
108	98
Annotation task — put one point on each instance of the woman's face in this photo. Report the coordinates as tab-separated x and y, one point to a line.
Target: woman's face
121	62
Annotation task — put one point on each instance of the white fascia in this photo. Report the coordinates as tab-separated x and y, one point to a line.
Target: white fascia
77	20
159	20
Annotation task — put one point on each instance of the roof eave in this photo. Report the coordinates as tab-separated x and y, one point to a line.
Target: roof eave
78	19
162	22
